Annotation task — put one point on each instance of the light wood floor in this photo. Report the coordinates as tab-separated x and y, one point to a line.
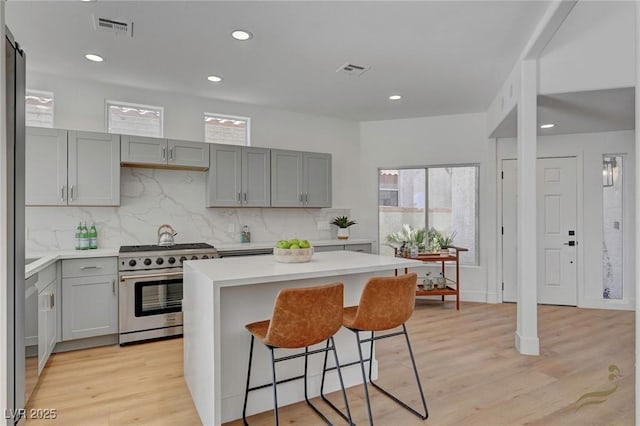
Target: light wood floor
470	371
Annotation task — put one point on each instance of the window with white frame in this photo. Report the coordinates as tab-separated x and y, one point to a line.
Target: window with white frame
134	119
38	108
227	129
441	197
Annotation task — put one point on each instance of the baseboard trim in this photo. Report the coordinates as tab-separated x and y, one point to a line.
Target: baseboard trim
527	345
90	342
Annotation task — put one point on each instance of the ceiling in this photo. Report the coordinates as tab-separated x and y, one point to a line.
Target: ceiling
442	57
579	112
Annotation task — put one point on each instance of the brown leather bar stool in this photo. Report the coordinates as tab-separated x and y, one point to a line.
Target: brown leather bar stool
302	317
385	303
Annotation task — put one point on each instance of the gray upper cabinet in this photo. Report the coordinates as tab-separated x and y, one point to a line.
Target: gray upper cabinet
46	167
146	151
238	176
316	179
72	168
300	179
189	154
143	150
94	169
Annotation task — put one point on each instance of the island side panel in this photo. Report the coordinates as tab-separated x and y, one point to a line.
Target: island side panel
198	320
241	305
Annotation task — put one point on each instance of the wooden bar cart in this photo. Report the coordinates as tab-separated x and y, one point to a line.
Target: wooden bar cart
452	287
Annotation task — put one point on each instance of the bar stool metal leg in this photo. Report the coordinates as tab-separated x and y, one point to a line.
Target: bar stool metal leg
246	389
275	387
364	376
415	372
342	388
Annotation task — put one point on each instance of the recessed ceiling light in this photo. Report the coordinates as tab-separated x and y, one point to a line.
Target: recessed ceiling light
395	97
214	78
547	126
94	58
241	35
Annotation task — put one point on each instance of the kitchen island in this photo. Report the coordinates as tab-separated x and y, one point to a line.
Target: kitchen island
220	296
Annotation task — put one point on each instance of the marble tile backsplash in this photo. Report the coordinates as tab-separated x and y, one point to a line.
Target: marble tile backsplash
152	197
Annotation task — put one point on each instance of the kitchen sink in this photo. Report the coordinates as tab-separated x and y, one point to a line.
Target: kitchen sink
29	260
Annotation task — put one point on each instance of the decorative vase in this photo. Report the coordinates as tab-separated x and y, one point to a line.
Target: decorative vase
343	233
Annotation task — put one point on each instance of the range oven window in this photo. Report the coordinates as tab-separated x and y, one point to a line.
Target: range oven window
158	297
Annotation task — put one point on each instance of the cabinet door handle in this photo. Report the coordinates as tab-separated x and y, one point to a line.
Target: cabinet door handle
239	198
306	198
164	153
52	301
90	267
113	286
71	193
301	197
245	197
170	153
62	198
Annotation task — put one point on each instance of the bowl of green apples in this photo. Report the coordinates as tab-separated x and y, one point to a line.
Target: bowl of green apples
293	251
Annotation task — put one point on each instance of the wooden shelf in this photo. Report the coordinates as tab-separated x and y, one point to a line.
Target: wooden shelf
453	286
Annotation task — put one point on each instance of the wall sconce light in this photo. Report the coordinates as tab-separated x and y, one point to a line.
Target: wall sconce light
608	164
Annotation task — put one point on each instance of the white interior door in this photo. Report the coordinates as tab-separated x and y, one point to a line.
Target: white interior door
556	229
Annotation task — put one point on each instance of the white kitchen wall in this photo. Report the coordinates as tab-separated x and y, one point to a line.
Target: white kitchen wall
428	141
150	198
588	149
80	104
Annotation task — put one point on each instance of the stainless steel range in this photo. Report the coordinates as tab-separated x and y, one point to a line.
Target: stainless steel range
150	297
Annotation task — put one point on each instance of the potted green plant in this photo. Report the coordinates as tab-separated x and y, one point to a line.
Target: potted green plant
439	241
343	223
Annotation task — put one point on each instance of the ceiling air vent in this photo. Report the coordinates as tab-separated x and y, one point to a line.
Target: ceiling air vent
352	69
113	26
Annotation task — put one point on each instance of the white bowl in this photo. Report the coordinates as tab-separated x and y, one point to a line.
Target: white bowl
293	255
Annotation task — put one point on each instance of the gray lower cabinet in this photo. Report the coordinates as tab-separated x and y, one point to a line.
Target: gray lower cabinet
320	249
147	151
238	176
47	323
89	297
363	248
48	311
300	179
71	168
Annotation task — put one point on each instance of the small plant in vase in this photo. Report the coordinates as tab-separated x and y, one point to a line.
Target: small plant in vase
438	241
343	223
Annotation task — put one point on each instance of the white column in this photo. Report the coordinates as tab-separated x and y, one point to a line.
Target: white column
637	158
527	342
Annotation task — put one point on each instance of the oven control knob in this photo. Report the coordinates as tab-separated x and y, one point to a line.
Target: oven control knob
182	258
147	261
132	263
205	257
159	261
171	260
194	257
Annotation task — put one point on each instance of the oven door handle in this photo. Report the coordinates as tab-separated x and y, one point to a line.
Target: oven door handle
144	276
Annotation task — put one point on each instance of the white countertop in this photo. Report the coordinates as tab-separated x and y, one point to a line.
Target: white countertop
271	244
236	271
49	257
